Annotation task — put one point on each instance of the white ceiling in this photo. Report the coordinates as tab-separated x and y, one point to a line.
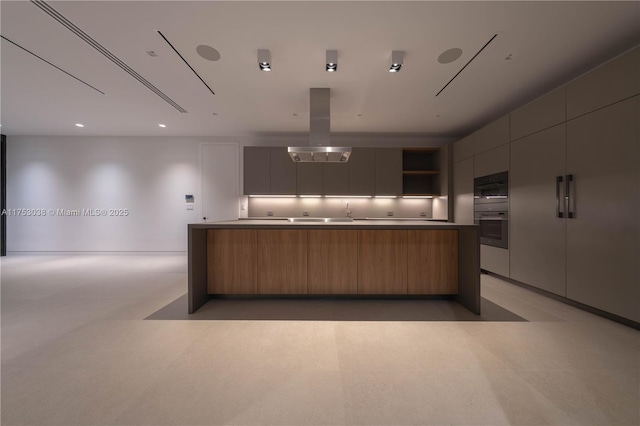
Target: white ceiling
549	43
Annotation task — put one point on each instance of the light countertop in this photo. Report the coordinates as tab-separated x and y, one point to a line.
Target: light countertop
356	224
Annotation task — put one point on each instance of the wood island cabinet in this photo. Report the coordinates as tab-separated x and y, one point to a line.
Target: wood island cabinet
407	259
432	262
382	262
282	261
232	264
333	262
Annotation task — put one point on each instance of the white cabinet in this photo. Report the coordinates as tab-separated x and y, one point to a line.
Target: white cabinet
612	82
492	135
536	235
493	161
463	148
544	112
463	191
603	237
494	259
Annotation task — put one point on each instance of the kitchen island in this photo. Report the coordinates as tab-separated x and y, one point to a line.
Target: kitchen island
363	258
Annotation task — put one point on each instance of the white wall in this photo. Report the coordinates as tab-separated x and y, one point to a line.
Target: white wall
148	176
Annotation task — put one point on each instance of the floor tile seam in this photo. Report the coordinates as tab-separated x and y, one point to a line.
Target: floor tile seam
53	339
569	414
162	371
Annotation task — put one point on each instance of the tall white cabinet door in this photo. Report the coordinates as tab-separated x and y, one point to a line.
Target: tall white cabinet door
603	240
536	235
463	191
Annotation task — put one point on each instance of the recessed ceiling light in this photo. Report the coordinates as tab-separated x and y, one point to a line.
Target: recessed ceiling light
162	125
332	61
79	125
264	60
397	60
449	55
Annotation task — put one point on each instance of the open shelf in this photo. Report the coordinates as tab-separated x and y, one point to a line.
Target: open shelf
421	171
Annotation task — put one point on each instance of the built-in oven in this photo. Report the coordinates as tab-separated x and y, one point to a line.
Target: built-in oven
491	209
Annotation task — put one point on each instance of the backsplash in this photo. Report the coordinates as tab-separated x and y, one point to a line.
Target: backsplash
337	207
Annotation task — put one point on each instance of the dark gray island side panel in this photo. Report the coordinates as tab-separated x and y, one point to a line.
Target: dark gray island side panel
197	267
469	269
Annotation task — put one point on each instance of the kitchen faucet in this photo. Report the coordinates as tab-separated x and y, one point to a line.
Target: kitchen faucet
348	211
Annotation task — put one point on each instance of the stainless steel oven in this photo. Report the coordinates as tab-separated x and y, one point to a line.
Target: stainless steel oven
491	209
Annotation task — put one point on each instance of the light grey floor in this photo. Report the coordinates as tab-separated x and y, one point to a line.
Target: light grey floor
93	340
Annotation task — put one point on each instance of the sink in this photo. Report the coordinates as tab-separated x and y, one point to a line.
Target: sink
320	219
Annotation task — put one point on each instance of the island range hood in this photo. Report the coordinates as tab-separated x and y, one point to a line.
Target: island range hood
319	150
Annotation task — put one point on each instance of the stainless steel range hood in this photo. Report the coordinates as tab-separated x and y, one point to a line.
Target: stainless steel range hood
319	150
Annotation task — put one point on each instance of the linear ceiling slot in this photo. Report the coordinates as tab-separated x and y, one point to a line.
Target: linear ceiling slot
55	66
465	65
97	46
185	61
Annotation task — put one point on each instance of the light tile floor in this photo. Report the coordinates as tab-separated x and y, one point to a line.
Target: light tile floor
104	340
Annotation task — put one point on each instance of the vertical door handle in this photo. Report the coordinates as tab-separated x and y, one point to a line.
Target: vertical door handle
568	180
558	182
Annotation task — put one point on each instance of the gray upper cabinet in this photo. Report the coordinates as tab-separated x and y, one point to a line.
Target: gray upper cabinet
283	172
335	178
544	112
362	172
612	82
309	178
492	135
603	244
388	171
257	167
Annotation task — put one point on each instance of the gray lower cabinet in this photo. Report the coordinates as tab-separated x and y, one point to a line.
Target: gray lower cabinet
257	169
388	171
536	236
283	172
603	239
362	171
309	178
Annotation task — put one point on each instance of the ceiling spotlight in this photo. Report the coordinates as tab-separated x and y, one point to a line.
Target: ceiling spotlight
79	125
332	61
264	60
162	125
397	59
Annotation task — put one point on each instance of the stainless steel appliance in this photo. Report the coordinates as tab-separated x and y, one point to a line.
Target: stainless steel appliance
491	209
